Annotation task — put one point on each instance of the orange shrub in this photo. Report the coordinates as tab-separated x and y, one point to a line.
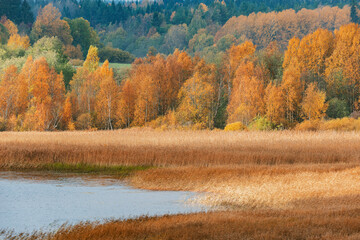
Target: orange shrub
308	126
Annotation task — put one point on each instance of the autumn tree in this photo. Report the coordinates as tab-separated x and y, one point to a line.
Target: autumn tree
85	85
15	41
8	93
342	67
146	104
107	97
275	107
92	60
49	24
233	59
247	98
67	119
46	97
313	105
196	98
126	107
292	89
313	51
179	68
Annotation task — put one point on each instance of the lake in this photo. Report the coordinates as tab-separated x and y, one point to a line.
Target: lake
38	201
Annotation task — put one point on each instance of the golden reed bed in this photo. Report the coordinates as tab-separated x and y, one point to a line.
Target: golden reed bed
177	148
276	185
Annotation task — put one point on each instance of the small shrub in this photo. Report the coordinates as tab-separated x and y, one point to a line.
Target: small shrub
261	124
343	124
308	126
236	126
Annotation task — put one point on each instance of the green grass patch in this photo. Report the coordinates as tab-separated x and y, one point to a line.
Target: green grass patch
119	171
120	66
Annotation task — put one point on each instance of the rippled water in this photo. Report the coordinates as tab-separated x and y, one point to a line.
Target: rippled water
31	202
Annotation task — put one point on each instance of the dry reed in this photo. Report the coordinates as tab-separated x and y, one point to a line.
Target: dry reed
265	224
177	148
284	185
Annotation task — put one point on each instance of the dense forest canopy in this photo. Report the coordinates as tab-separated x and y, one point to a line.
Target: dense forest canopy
199	65
193	25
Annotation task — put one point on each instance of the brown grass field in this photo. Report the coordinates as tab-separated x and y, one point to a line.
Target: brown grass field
272	185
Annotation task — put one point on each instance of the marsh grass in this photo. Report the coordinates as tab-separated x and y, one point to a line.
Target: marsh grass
283	185
264	224
142	147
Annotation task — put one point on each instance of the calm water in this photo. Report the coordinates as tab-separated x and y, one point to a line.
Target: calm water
31	202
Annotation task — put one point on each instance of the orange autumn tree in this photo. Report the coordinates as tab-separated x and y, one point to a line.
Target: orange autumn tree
15	41
179	68
146	103
292	89
342	67
157	81
232	60
247	98
313	105
49	24
196	97
313	51
126	107
8	92
67	119
274	100
85	86
107	97
46	97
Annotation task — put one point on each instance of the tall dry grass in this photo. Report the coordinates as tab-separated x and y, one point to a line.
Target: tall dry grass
283	185
177	148
249	187
265	224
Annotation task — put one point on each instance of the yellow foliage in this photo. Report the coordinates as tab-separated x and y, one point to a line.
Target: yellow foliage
71	126
313	105
308	125
343	124
92	60
16	41
236	126
340	124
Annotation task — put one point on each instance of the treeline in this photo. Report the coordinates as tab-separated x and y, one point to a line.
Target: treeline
76	36
206	28
316	78
174	11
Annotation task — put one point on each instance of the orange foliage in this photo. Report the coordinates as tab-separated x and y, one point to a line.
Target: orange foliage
345	63
313	105
196	97
107	97
16	41
264	28
247	97
126	106
49	23
8	92
274	100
